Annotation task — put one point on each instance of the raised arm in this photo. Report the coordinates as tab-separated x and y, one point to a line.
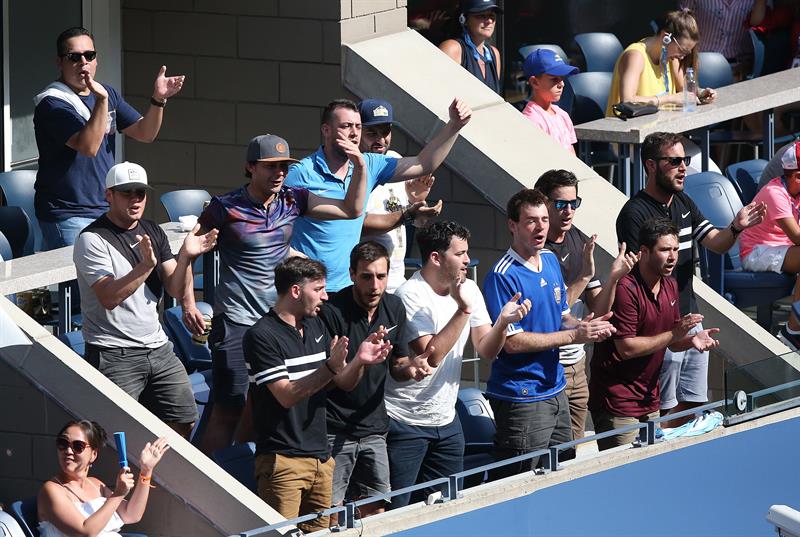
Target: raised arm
352	206
489	340
600	304
434	153
87	141
146	129
588	330
372	350
720	241
132	510
177	276
633	347
111	292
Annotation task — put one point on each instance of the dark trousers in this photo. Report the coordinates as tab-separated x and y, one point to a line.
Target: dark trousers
526	427
419	454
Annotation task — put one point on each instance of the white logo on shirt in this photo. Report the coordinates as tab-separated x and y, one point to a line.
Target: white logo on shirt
672	303
542	283
317	340
684	215
390	329
565	258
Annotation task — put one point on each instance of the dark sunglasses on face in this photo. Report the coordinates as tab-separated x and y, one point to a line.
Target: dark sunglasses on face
75	57
560	205
77	445
675	161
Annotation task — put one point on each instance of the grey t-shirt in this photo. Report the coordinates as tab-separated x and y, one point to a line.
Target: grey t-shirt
103	249
774	168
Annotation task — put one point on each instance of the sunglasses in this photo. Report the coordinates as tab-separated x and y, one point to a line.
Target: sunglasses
77	445
560	205
75	57
675	161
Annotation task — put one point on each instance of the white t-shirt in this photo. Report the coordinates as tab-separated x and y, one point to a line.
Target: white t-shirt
431	402
386	199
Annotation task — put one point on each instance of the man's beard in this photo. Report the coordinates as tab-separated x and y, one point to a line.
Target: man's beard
665	184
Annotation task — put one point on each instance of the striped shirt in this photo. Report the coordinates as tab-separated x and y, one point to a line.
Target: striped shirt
692	228
276	351
723	25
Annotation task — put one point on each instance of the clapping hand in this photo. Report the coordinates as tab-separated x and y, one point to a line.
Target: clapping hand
167	86
751	215
375	349
685	324
195	245
623	264
419	367
513	311
587	267
591	330
702	341
419	187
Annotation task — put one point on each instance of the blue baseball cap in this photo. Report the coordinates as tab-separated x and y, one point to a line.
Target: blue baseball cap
477	6
374	112
545	61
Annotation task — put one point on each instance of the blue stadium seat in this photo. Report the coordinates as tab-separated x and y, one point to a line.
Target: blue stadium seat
195	357
24	512
758	54
713	70
477	422
184	202
17	187
239	461
9	527
5	248
202	385
745	176
584	98
600	50
717	199
527	49
74	340
15	225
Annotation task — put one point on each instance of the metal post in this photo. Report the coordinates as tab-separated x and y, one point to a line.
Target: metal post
769	134
210	275
452	489
624	169
705	147
638	176
64	307
350	515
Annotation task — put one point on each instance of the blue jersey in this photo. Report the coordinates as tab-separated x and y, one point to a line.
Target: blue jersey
330	241
70	184
532	376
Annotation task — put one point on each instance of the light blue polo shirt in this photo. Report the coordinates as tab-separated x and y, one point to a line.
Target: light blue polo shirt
330	241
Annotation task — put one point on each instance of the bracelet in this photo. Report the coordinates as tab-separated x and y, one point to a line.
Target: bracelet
334	373
145	480
734	229
156	102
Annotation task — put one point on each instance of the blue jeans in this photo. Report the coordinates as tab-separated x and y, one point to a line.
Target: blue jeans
418	454
62	232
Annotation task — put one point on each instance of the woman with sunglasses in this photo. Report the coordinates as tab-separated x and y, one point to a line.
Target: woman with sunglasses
72	503
652	70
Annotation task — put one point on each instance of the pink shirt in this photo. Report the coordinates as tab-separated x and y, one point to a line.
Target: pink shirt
557	125
779	205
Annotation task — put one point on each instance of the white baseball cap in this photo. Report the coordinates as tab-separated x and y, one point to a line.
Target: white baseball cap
789	158
126	176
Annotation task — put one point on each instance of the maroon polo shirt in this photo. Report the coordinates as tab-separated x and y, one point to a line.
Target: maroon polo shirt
630	387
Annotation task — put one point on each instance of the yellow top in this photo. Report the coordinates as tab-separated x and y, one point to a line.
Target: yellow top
651	81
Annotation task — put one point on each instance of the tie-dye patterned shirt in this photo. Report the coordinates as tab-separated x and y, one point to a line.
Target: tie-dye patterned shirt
253	239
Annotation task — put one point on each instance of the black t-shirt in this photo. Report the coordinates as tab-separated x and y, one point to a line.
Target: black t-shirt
570	257
275	350
362	411
692	227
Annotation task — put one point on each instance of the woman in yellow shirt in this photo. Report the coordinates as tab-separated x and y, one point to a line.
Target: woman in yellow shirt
651	70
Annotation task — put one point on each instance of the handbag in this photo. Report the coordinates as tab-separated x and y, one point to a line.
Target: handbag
627	110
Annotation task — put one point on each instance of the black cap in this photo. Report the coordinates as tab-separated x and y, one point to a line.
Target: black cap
477	6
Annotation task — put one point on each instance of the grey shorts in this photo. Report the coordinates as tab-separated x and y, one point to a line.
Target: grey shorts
154	377
684	376
362	467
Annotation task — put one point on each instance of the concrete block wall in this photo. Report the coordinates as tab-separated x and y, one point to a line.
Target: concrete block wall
251	67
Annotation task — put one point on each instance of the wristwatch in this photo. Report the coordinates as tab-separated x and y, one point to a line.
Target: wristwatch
734	229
